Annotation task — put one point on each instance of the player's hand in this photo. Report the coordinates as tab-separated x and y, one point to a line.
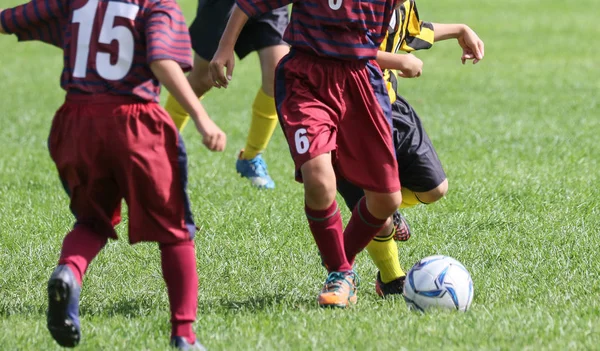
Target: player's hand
223	60
413	67
473	47
212	136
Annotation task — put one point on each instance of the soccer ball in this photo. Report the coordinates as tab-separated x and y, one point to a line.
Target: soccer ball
438	281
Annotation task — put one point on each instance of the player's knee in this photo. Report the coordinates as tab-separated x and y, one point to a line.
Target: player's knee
319	183
319	196
435	194
383	205
198	77
319	192
200	84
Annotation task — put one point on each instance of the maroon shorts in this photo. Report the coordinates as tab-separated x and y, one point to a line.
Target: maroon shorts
113	148
326	105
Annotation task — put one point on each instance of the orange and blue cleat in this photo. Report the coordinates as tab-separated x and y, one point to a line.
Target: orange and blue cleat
339	290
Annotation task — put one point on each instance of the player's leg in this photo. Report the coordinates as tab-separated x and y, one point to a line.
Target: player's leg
370	217
95	201
325	223
199	81
79	248
382	249
419	168
264	114
310	133
322	210
250	163
178	262
367	229
264	35
154	182
366	157
421	172
205	33
412	198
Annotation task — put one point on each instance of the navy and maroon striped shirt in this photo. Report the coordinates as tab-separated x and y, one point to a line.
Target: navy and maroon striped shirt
345	29
107	44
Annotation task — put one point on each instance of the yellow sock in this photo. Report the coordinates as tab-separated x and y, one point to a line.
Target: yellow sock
409	199
264	121
384	253
177	112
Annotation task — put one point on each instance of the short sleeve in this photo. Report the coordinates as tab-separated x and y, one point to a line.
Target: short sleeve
419	34
42	20
167	35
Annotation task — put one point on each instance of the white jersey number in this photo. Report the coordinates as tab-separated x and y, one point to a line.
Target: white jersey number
302	143
335	4
85	17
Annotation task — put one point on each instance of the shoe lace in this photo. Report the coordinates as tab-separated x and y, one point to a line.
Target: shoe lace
336	279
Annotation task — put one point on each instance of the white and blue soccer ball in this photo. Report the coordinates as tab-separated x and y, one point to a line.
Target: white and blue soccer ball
438	282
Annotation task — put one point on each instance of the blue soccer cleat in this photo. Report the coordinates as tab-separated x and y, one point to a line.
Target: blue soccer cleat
180	343
255	170
63	307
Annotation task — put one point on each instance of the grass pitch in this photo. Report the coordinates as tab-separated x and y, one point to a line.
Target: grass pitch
517	133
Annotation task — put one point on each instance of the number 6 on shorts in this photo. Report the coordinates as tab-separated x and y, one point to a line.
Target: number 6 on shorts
302	143
335	4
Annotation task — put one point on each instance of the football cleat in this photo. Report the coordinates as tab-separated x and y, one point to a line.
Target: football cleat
402	232
339	290
395	287
63	307
180	343
255	170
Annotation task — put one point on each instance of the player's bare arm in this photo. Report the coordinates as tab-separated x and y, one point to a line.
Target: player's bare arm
408	65
172	77
223	58
469	41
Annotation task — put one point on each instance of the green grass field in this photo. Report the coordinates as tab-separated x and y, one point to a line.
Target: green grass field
517	133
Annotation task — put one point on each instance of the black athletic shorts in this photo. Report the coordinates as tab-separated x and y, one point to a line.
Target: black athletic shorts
419	167
211	20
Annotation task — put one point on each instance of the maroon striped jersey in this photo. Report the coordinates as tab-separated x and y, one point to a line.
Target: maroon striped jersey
108	45
345	29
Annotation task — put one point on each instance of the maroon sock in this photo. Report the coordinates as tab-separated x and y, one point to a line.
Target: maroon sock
326	228
79	248
179	271
361	229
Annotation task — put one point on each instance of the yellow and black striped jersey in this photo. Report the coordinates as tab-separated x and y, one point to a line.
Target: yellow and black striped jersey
406	33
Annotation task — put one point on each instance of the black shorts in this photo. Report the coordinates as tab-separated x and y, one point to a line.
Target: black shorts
211	20
419	167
